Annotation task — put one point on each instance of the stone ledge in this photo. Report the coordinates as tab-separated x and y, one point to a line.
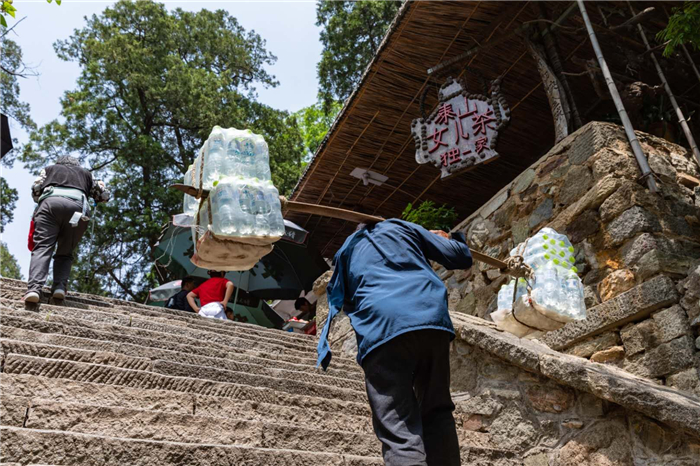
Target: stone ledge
664	404
629	306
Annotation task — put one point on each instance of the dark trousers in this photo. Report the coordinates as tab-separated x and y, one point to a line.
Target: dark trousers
51	227
408	386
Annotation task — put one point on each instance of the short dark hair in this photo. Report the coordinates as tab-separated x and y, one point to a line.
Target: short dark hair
186	280
216	273
300	302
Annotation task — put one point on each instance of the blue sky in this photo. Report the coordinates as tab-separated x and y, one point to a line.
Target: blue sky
288	27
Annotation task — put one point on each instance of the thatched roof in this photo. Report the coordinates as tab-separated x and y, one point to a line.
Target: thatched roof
373	129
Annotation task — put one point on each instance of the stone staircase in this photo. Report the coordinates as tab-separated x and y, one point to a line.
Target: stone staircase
103	381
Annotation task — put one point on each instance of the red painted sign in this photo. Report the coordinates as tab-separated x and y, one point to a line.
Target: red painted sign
463	129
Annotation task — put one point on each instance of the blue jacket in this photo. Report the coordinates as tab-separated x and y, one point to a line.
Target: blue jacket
384	282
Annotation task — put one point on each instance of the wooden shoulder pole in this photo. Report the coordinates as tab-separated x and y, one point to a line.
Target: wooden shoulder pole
358	217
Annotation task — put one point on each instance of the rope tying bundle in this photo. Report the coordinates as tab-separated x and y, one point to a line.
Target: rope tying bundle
517	268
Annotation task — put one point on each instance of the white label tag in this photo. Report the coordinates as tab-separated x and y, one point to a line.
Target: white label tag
75	219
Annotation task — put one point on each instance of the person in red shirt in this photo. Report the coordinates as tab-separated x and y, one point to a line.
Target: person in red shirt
213	296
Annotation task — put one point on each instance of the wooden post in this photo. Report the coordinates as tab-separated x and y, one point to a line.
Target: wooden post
629	129
662	77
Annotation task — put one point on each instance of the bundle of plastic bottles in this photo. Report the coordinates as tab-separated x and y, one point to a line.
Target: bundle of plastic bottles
556	295
234	165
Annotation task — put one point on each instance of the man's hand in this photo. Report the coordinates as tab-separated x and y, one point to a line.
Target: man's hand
440	233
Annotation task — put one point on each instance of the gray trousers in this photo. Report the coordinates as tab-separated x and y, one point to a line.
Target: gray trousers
408	387
51	227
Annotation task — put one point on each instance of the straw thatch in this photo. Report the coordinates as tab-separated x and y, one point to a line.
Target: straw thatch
373	129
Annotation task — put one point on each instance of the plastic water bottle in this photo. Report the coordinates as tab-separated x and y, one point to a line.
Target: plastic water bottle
505	296
550	287
246	203
247	148
262	159
262	209
222	205
197	167
573	288
276	222
234	158
214	163
189	203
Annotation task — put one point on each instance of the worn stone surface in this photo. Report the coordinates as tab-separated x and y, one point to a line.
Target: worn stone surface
592	345
35	446
628	195
616	353
495	202
615	283
657	261
550	399
520	230
667	358
639	337
523	181
687	380
670	323
629	223
603	444
611	161
634	304
541	213
662	167
578	181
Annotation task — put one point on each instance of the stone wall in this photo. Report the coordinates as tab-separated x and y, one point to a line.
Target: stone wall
637	253
552	409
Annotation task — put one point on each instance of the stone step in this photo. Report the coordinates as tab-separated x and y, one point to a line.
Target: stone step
32	388
125	422
129	423
28	342
13	292
95	336
213	330
150	328
188	327
328	399
247	374
54	447
150	377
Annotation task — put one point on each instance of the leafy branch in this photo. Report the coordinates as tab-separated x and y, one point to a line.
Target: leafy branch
683	28
430	217
7	9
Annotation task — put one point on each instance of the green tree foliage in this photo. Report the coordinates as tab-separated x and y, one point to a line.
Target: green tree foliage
9	268
8	199
11	68
430	217
315	123
683	28
8	9
352	33
152	86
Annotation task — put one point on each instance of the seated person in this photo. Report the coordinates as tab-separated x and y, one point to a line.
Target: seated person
213	295
179	301
308	310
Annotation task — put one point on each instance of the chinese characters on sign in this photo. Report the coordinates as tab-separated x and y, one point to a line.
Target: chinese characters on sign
462	130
